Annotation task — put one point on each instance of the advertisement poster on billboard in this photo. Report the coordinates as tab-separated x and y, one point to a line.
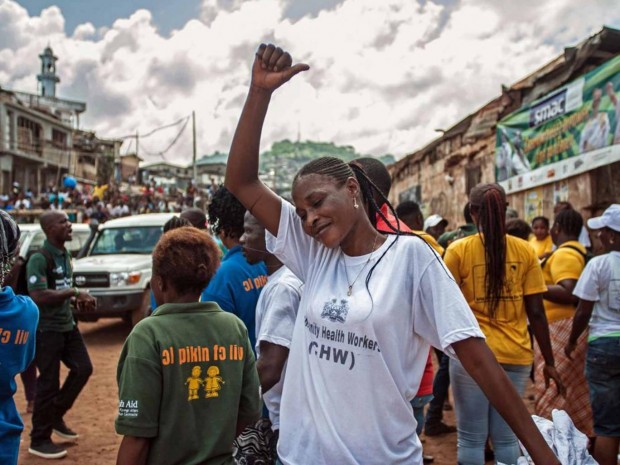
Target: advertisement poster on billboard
572	130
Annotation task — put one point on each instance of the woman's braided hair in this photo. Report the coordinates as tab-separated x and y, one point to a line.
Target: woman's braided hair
488	202
9	239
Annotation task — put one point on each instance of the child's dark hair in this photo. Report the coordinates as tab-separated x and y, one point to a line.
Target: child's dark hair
187	258
488	203
226	214
518	228
569	221
544	219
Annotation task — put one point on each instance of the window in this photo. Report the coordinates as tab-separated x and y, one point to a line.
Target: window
134	240
59	139
29	136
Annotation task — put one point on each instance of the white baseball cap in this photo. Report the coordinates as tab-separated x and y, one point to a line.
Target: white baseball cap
433	221
609	219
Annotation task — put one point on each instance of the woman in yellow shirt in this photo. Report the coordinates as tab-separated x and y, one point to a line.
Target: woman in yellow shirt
502	282
561	271
541	240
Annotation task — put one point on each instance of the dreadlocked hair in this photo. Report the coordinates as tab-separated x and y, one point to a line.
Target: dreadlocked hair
569	221
9	239
488	202
226	213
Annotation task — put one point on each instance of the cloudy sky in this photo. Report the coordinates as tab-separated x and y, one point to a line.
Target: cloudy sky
384	74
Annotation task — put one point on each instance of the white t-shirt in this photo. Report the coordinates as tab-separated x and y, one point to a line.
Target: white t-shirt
600	283
355	361
276	311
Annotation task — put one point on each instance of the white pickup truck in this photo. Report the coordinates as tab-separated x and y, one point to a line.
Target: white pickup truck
117	269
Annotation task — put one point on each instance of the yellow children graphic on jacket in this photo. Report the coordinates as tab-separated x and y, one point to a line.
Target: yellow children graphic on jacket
213	382
194	382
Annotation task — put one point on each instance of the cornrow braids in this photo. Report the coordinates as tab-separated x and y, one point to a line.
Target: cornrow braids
326	166
489	202
570	222
176	222
368	186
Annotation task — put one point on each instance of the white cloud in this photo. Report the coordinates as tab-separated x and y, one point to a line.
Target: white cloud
383	74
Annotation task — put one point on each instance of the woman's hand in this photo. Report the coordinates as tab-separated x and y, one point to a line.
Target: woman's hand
550	373
273	67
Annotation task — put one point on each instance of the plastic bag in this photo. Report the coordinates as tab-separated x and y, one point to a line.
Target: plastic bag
568	443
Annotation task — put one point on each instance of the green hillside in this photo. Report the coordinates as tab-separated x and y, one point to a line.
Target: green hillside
279	164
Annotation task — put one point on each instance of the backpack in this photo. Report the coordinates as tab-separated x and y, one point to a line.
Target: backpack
17	278
586	256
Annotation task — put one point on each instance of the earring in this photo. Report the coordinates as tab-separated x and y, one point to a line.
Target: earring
355	205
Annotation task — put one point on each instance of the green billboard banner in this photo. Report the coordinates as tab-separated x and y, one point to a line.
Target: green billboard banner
573	129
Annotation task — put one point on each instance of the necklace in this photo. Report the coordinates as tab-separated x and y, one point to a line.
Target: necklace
350	291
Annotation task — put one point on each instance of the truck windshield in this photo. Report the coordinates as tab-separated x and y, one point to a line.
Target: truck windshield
133	240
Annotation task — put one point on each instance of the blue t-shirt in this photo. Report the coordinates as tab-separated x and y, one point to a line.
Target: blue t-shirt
19	317
236	287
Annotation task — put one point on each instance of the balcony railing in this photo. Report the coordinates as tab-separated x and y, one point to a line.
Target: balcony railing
43	152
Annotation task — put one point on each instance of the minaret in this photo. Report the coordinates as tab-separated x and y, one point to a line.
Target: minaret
48	78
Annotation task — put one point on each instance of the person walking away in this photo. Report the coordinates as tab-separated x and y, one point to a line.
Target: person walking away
50	277
358	336
18	324
561	272
501	280
187	381
598	289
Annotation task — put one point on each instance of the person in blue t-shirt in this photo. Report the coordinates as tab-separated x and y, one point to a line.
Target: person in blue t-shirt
19	317
237	284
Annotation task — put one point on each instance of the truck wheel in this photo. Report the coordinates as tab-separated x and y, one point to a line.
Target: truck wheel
143	310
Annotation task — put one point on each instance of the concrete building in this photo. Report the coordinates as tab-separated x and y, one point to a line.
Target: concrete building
39	137
440	175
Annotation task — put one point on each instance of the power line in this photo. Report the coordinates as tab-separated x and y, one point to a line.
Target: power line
148	134
174	141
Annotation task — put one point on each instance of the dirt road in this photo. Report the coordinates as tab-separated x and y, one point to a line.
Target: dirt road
93	414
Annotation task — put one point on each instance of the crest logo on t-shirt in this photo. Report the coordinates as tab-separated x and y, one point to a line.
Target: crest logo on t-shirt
334	311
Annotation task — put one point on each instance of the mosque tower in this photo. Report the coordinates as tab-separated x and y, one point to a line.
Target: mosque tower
48	78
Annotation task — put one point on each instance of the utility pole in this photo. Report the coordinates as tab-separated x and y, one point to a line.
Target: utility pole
194	172
137	144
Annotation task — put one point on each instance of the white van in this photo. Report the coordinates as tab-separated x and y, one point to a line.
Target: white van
117	269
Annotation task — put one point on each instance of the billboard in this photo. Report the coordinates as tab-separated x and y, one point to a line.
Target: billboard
570	131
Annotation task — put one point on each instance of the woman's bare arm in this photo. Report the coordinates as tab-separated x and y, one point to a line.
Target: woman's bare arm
272	67
480	363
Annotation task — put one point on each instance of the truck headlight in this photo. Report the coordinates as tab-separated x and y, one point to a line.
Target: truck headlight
124	278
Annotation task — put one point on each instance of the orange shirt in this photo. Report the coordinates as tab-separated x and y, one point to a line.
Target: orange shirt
542	247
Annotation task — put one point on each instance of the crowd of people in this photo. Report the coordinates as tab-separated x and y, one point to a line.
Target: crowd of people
103	201
305	337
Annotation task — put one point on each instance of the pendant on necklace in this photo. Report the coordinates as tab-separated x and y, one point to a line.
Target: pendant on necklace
350	291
